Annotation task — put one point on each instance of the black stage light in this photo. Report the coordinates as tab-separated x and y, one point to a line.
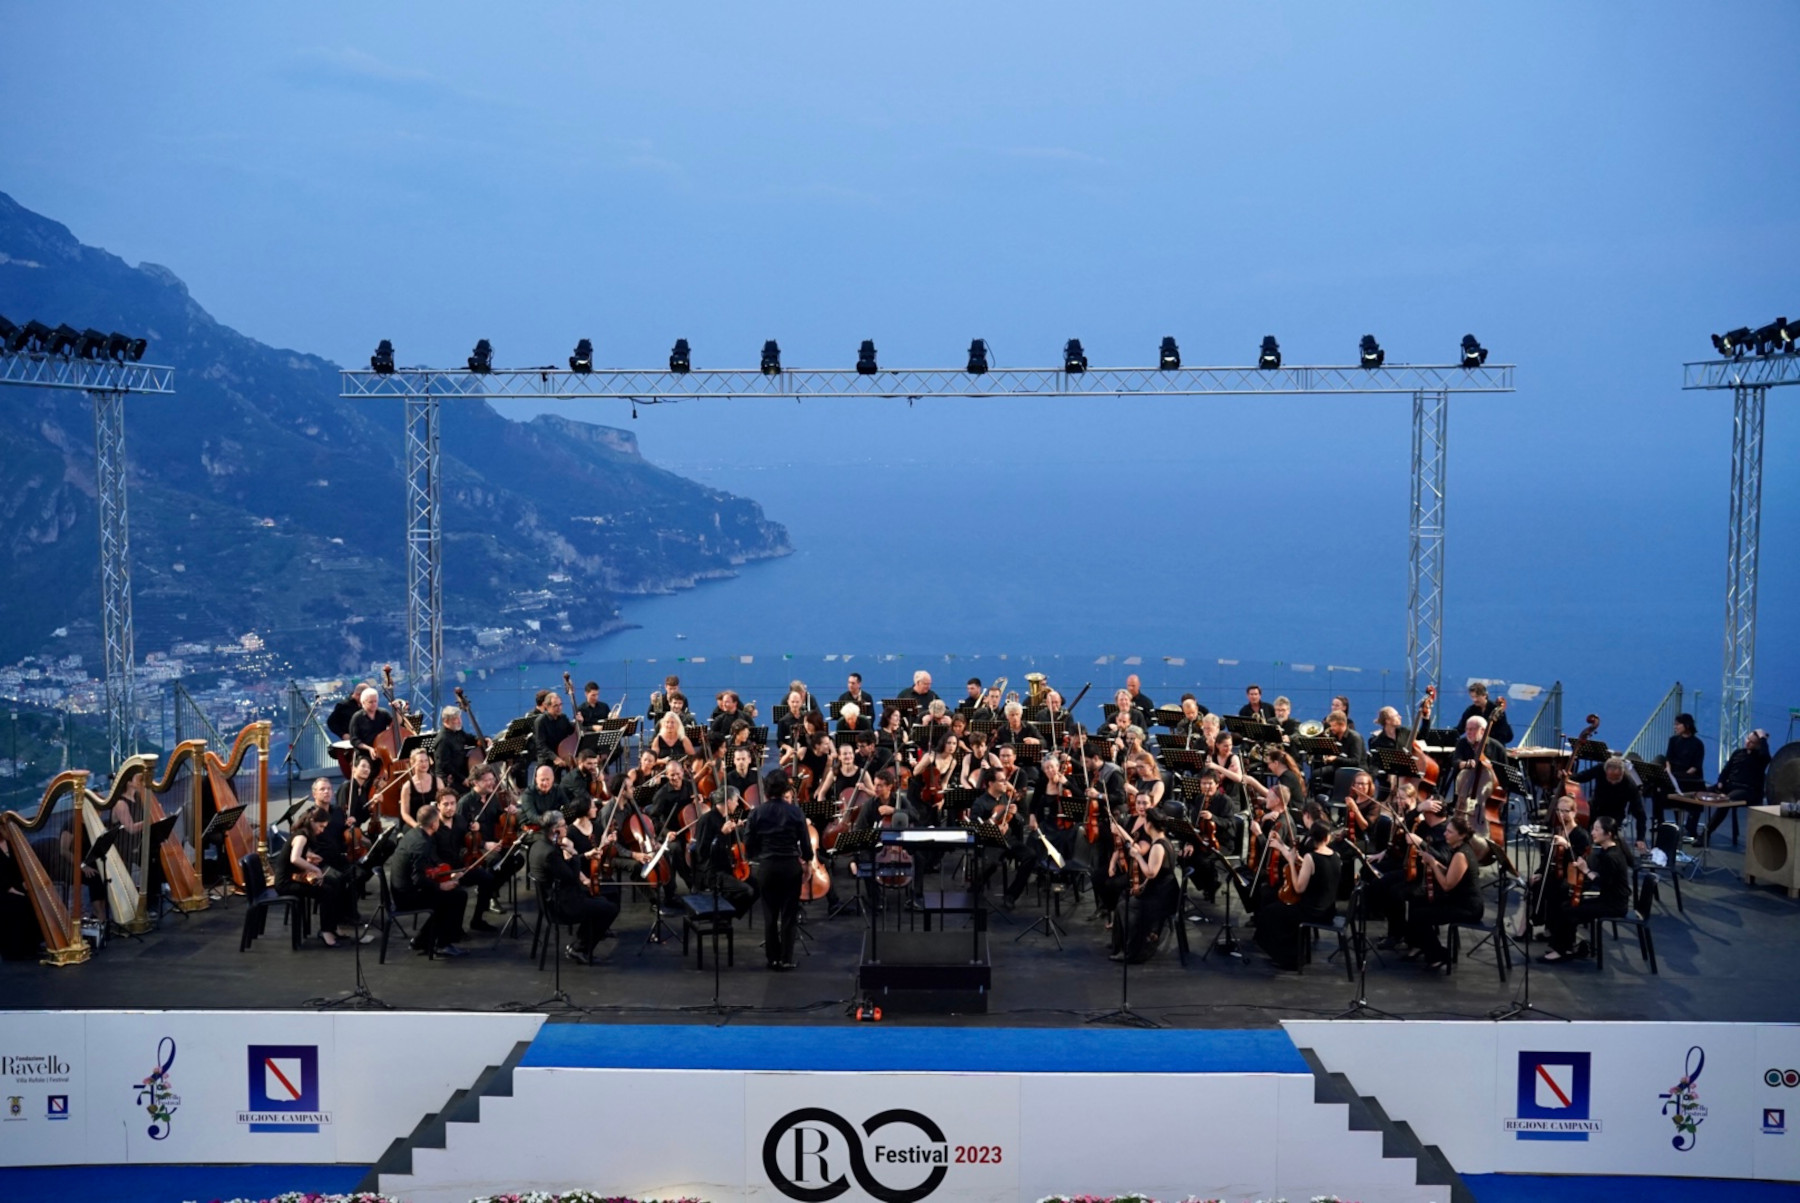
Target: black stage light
1074	358
62	340
91	344
482	361
1768	338
583	359
35	337
9	331
1473	353
865	358
978	357
681	361
383	359
118	347
1269	358
1790	336
1732	342
1371	353
1169	357
771	358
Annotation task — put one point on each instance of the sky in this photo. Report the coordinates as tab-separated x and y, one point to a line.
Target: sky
1590	189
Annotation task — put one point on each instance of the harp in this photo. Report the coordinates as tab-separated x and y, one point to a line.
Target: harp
240	779
125	865
178	793
48	845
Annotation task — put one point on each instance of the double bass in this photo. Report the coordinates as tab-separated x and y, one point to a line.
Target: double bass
1425	768
477	753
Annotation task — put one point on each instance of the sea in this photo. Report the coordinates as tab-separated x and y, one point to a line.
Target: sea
1201	547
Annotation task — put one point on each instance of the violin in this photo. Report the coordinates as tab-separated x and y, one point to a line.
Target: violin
740	861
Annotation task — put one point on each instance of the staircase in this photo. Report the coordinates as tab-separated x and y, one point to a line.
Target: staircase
464	1107
1365	1114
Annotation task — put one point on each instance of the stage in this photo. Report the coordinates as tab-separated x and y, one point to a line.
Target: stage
1733	956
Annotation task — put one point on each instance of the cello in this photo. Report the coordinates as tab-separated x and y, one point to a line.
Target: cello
478	753
1572	789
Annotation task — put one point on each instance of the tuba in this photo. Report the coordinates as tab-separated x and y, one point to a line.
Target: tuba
1037	688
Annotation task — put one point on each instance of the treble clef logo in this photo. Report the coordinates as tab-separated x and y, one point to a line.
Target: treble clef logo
156	1093
1682	1102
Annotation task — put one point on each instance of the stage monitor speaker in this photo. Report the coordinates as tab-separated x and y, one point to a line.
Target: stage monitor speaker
1772	853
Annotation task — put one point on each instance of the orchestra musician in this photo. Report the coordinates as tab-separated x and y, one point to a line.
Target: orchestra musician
1568	838
850	718
1229	767
1254	707
592	711
1191	713
420	788
562	887
1499	729
855	695
1144	784
1151	902
1351	754
1608	869
1315	872
778	843
1469	781
582	779
549	730
968	705
1015	730
331	841
730	710
659	700
480	810
1614	793
338	721
740	774
1452	893
1284	718
921	691
1140	701
450	755
301	872
1215	807
353	796
1745	775
1387	719
542	796
368	723
1341	704
792	718
714	839
1686	760
413	888
671	741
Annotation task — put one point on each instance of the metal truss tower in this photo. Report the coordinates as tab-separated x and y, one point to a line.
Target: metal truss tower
1749	381
421	389
106	383
424	557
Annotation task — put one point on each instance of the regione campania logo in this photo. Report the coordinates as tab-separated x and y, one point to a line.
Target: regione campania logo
283	1081
1555	1097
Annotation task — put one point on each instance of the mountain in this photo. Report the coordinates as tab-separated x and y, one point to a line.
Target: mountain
261	502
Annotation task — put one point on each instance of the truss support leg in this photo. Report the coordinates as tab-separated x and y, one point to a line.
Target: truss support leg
115	575
1741	554
424	559
1425	575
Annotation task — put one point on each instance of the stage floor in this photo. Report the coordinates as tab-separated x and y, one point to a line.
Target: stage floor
1733	956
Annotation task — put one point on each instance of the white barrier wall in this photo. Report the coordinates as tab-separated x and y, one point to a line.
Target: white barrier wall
110	1087
903	1137
1534	1097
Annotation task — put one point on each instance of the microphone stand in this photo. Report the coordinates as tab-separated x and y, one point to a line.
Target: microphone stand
1521	1006
1358	924
1123	1014
361	998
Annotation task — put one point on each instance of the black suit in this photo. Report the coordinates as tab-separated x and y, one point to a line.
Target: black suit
413	890
558	883
777	840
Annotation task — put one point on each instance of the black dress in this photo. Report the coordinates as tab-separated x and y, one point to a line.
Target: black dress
1147	912
1278	923
1461	904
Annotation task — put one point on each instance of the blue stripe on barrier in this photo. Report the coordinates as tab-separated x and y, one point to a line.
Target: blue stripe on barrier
1578	1188
870	1049
174	1183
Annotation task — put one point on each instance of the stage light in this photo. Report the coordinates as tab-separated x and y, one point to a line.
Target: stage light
1790	336
1074	358
62	340
1370	353
1768	338
978	357
122	348
383	359
34	338
1733	342
681	361
1269	358
865	358
1473	353
1169	357
7	331
91	344
771	358
583	359
482	361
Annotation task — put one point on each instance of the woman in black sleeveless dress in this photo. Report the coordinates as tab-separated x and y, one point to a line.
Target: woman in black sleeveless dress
1316	874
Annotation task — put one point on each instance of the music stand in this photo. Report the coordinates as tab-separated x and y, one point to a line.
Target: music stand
1315	745
851	843
214	835
1185	762
906	706
1395	762
1253	731
1027	753
1166	716
1583	750
1440	737
158	834
412	743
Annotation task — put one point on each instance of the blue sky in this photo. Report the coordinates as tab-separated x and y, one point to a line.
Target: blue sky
1591	189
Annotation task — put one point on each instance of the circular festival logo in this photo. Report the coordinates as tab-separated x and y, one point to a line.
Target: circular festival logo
1781	1077
807	1153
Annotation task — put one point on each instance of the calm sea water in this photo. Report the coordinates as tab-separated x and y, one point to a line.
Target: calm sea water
1225	552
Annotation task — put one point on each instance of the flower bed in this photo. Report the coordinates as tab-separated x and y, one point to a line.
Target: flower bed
574	1196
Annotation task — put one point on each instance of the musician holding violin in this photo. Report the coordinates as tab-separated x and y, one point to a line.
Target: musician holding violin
481	814
721	860
421	879
778	840
1308	893
303	871
1569	843
564	888
1152	894
1451	895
